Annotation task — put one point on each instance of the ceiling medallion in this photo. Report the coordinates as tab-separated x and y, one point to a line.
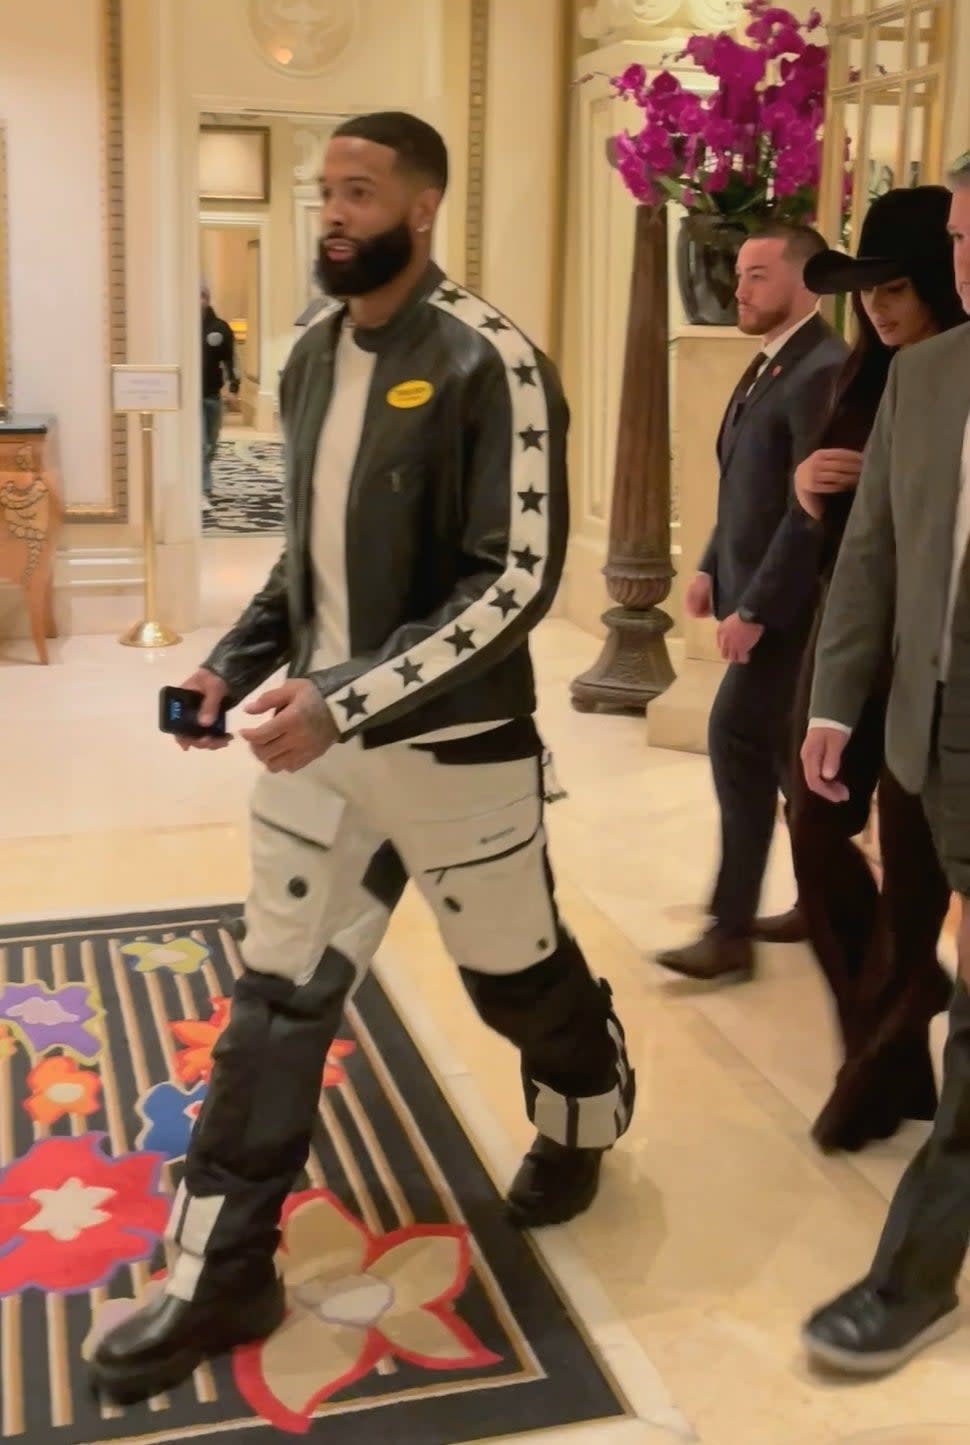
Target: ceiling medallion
302	37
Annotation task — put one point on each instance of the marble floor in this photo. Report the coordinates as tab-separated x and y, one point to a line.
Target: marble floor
719	1225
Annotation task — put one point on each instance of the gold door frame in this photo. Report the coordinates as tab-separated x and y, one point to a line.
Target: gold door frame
861	24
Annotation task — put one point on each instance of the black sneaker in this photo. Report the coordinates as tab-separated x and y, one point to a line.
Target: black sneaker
160	1346
553	1184
869	1332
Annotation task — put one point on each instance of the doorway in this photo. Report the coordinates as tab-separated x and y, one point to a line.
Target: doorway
241	436
258	222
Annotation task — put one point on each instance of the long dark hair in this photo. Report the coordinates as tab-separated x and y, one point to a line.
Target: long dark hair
862	380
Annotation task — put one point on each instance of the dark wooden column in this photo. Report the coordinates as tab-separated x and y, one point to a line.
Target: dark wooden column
633	667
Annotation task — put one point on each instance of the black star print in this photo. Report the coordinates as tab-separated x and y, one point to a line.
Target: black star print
532	439
461	641
354	704
451	295
409	672
532	500
505	601
494	323
527	560
525	373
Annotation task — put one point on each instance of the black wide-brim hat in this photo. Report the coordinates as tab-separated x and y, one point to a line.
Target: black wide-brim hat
904	231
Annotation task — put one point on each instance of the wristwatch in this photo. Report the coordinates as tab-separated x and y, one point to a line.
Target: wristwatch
746	615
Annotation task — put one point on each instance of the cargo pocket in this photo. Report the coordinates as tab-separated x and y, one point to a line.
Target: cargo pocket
487	881
294	825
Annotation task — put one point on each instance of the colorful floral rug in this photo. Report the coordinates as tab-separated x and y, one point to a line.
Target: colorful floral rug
416	1315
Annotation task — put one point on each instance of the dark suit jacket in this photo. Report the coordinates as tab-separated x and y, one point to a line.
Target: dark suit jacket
764	553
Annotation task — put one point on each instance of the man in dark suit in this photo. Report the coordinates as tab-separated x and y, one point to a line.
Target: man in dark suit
758	578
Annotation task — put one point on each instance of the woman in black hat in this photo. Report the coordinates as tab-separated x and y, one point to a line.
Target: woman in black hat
878	950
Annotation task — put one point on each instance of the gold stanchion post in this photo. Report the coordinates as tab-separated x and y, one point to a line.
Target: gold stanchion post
147	390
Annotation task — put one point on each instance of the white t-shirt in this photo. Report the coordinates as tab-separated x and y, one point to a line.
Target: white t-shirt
336	455
337	451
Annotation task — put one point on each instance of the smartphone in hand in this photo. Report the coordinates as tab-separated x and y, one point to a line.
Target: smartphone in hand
178	713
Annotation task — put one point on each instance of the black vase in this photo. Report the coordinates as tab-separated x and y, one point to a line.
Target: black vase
707	255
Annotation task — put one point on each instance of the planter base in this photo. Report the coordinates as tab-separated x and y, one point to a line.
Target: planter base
633	667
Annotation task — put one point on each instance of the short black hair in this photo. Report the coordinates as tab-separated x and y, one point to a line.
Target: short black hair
801	242
418	146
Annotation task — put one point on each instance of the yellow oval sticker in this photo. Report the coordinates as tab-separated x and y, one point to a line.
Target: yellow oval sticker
410	394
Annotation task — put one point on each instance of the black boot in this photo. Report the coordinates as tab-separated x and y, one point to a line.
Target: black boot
249	1144
868	1331
873	1097
160	1346
553	1185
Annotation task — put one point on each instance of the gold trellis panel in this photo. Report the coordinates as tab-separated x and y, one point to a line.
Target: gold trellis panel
887	95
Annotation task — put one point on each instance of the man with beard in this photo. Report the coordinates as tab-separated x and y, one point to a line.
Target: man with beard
427	522
758	577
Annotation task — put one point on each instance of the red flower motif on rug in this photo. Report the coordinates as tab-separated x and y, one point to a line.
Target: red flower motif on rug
193	1064
70	1215
334	1072
355	1298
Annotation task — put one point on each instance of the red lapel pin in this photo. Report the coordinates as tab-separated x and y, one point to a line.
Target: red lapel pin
777	371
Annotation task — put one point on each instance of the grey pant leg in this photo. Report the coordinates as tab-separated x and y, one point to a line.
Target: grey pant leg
927	1230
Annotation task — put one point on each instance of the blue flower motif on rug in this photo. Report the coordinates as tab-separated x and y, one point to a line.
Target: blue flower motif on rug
169	1114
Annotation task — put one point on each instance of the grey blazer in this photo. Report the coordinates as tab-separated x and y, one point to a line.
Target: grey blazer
763	554
892	577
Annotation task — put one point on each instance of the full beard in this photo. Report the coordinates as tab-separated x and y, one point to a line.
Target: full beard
375	263
759	323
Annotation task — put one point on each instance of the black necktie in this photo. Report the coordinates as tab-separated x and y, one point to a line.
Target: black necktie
748	378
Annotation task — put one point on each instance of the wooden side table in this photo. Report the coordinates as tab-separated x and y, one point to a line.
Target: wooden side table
31	511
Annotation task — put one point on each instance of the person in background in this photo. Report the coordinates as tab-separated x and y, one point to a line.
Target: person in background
902	574
758	576
876	948
218	370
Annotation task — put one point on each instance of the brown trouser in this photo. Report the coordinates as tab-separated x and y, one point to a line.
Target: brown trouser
876	947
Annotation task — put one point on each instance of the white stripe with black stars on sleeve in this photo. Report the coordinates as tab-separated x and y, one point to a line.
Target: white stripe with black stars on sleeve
528	547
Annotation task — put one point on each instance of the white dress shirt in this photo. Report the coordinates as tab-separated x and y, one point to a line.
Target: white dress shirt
770	349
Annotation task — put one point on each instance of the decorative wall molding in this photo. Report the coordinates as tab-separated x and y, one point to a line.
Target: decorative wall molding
606	21
310	141
302	38
116	310
477	107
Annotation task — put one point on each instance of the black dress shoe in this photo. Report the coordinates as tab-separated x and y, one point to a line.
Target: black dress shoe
714	958
553	1184
787	927
868	1332
160	1346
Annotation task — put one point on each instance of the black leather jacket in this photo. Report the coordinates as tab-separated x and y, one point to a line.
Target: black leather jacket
457	522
